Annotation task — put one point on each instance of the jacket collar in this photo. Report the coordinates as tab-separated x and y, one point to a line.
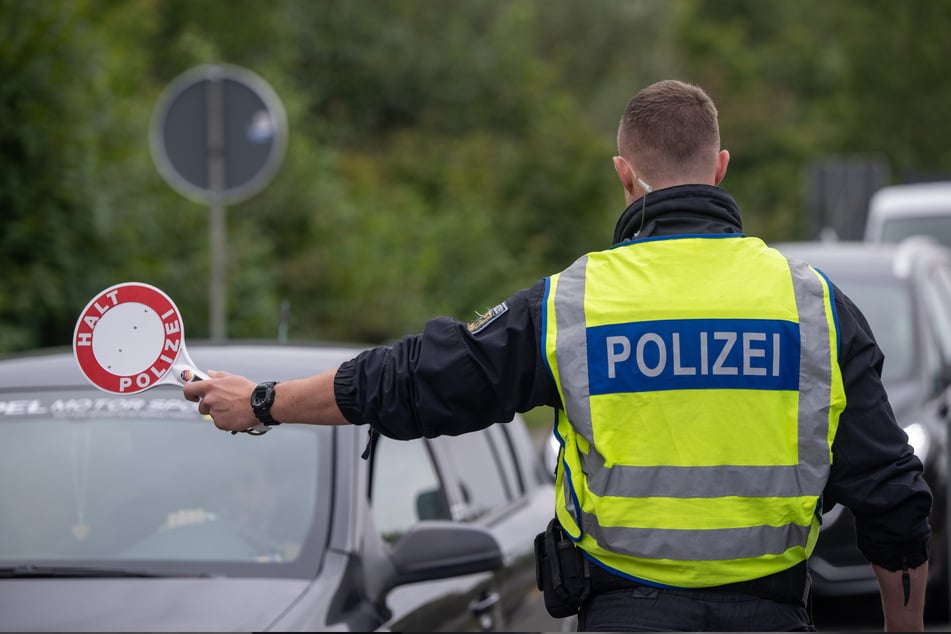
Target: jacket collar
678	210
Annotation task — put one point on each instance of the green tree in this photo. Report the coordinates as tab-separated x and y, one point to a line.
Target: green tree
438	159
796	81
55	134
460	168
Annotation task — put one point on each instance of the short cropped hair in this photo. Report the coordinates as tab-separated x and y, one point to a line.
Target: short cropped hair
670	128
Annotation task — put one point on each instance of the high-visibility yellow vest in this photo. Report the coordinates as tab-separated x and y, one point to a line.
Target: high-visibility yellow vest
702	391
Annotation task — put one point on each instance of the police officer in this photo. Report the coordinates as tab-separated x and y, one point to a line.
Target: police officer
711	397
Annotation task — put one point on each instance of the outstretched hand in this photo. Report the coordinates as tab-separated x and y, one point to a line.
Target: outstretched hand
226	398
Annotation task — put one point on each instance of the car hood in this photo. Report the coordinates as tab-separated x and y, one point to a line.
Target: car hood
156	605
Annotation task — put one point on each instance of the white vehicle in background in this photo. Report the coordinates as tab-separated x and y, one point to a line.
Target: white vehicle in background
900	211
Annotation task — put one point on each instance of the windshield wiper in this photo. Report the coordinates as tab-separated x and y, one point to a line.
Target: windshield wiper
61	572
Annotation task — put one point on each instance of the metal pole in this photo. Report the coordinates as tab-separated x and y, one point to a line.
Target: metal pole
217	221
282	324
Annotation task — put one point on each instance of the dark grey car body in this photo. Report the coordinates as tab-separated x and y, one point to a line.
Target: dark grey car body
91	538
904	290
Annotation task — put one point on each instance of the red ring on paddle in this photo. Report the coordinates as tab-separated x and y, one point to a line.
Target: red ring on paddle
128	292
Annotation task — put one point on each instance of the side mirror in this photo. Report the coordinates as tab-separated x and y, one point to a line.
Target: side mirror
437	549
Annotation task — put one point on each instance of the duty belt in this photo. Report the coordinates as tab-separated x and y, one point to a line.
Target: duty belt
788	586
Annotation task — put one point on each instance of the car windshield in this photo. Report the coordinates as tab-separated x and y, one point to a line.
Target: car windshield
91	477
936	226
888	308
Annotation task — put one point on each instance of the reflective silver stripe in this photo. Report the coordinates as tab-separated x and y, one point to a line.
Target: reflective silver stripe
806	478
696	545
691	482
815	378
571	346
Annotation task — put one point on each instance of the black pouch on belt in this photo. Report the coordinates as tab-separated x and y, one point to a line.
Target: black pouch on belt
561	571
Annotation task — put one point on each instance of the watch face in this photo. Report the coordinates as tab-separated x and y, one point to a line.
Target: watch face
259	396
262	397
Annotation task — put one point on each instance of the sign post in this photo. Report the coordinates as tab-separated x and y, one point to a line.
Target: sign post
218	135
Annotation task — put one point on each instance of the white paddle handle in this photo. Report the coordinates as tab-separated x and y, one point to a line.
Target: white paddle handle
198	374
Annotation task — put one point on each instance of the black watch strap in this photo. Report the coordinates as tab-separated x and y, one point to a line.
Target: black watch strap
262	398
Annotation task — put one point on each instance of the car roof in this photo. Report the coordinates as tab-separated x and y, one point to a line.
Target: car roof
259	361
869	258
915	199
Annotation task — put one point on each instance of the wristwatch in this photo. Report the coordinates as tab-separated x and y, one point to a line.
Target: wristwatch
262	398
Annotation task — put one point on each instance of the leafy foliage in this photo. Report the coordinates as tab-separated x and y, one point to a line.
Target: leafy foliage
441	155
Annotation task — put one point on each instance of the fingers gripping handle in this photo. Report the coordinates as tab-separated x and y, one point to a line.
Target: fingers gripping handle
189	374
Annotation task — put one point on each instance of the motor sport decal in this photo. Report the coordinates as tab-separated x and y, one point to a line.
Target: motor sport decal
99	408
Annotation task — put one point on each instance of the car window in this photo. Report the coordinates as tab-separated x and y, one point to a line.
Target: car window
507	457
116	478
887	305
405	487
936	226
479	461
937	294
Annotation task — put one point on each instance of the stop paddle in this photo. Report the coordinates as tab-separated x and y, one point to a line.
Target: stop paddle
130	338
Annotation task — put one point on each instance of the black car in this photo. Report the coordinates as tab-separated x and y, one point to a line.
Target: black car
904	290
134	513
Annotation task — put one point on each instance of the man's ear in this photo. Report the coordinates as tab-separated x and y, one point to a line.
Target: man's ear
624	175
723	159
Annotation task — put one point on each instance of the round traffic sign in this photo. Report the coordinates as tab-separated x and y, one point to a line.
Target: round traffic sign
218	133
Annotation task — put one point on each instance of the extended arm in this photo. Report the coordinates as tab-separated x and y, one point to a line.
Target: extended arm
449	379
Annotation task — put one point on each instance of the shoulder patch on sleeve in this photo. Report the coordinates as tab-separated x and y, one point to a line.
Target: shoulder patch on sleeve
486	318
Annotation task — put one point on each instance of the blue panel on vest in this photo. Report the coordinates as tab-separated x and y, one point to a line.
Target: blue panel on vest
690	354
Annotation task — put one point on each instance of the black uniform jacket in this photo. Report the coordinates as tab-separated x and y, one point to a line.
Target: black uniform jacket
456	377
